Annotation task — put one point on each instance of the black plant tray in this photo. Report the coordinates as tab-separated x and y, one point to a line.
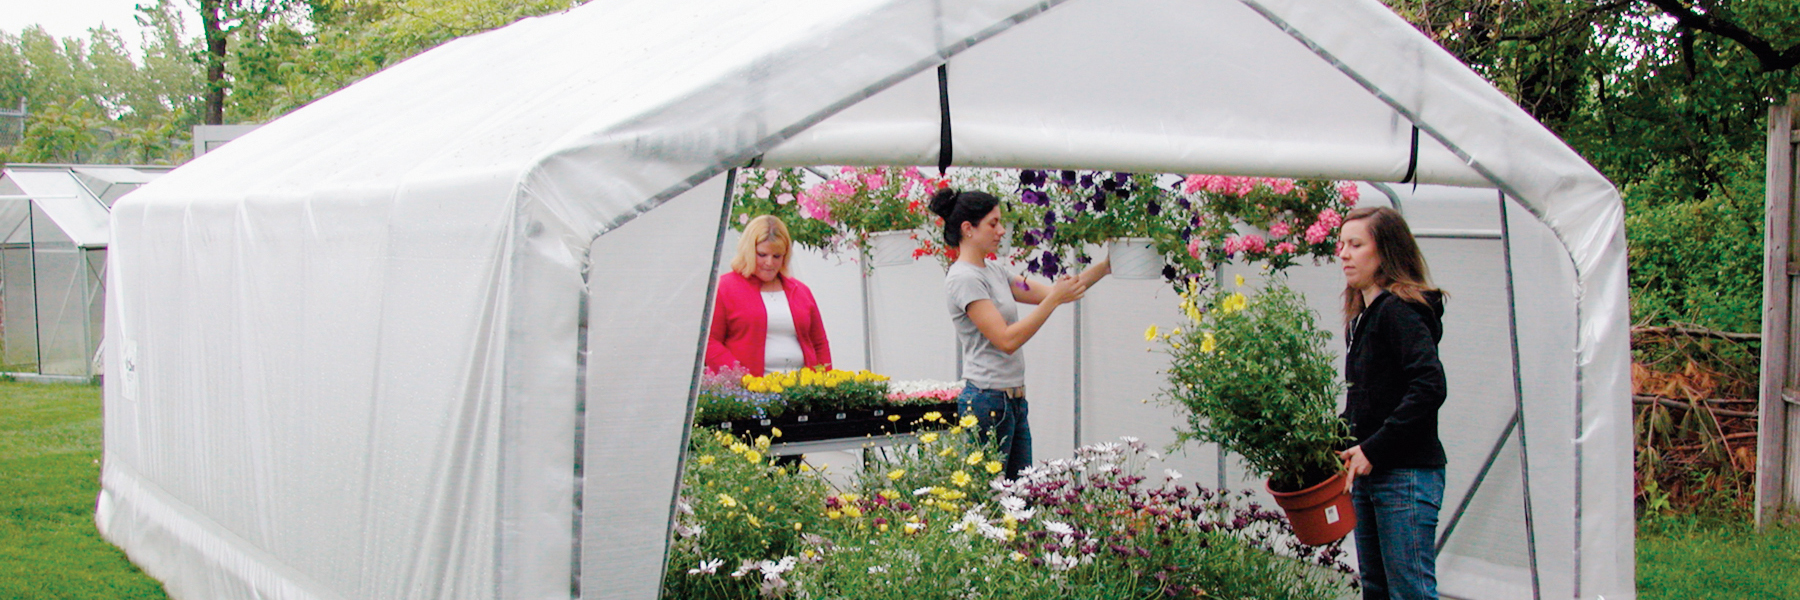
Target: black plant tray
808	427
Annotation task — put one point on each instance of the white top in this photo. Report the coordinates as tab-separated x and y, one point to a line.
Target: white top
781	351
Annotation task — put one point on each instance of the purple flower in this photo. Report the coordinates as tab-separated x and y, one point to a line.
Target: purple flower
1109	185
1087	181
1032	197
1049	232
1068	178
1050	217
1029	178
1121	177
1154	209
1029	238
1080	206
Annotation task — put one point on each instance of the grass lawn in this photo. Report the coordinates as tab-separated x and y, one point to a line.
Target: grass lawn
49	476
50	469
1691	558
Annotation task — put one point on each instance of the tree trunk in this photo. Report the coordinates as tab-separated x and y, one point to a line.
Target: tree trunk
211	23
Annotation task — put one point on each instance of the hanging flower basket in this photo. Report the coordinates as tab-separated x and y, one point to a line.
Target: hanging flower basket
1134	258
1320	514
891	248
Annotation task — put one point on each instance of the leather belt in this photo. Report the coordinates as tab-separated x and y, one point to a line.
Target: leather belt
1011	392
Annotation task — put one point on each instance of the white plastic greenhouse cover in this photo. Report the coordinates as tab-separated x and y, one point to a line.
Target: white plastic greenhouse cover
430	336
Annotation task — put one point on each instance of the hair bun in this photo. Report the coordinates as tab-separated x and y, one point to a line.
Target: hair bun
944	202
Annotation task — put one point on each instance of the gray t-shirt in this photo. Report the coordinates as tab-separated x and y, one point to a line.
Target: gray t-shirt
983	364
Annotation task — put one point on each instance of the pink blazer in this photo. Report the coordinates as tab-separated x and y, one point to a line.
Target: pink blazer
740	324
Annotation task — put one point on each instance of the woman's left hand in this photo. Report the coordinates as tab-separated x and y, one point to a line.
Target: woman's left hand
1354	464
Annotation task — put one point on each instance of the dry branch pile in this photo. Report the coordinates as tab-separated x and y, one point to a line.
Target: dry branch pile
1694	407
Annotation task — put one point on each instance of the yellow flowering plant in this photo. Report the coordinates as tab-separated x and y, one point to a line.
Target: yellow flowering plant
817	389
1253	375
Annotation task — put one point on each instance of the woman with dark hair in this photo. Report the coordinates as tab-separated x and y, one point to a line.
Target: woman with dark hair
763	319
1393	320
984	305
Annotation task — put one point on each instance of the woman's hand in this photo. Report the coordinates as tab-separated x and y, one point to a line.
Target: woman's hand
1066	289
1354	464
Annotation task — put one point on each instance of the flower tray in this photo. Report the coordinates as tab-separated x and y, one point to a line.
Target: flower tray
808	427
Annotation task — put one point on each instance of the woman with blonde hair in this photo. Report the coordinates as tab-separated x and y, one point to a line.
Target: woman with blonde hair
1393	320
763	319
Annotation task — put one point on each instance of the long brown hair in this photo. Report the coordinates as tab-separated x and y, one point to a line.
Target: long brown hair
1402	271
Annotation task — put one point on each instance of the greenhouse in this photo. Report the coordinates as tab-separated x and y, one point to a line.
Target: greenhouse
53	234
438	335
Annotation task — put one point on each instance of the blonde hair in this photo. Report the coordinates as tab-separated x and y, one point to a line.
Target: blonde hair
766	228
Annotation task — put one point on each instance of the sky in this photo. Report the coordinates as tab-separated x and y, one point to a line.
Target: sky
72	18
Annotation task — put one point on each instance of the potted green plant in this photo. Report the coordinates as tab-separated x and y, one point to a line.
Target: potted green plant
1254	376
778	192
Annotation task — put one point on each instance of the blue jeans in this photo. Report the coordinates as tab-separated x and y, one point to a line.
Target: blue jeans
1396	530
998	416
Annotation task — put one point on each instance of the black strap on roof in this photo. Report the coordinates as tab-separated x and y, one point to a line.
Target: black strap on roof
944	150
1412	163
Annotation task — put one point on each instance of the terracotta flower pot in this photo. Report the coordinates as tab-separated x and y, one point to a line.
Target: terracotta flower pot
1320	514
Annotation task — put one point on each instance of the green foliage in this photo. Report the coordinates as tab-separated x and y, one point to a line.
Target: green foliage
776	192
927	522
49	476
1256	378
737	506
1697	260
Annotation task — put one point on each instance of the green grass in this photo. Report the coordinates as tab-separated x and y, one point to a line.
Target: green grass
1698	558
49	477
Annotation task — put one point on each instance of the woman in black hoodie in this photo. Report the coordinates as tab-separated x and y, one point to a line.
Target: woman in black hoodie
1393	321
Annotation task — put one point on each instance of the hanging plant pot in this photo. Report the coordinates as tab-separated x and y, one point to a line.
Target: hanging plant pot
1134	258
890	248
1320	514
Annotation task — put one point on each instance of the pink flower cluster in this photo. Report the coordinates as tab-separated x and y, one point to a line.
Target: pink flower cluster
816	201
1234	185
1347	191
1245	243
1321	229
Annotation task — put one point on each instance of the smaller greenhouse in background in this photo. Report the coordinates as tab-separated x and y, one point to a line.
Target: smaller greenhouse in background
53	237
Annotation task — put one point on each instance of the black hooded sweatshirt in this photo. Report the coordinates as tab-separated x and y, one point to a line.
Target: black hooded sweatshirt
1396	382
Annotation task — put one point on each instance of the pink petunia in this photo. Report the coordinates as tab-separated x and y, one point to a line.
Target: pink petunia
784	199
1330	218
1349	193
1317	233
1280	229
873	181
1193	248
1281	186
1286	248
1233	245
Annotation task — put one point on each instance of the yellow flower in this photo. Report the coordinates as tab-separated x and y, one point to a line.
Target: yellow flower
1150	334
1240	281
706	459
1235	302
929	437
946	451
752	456
896	474
850	497
1018	557
974	458
775	388
805	468
852	511
756	385
890	494
956	430
753	520
834	515
798	526
762	442
967	421
1208	344
739	448
959	478
993	466
934	416
775	431
893	417
1176	332
727	501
